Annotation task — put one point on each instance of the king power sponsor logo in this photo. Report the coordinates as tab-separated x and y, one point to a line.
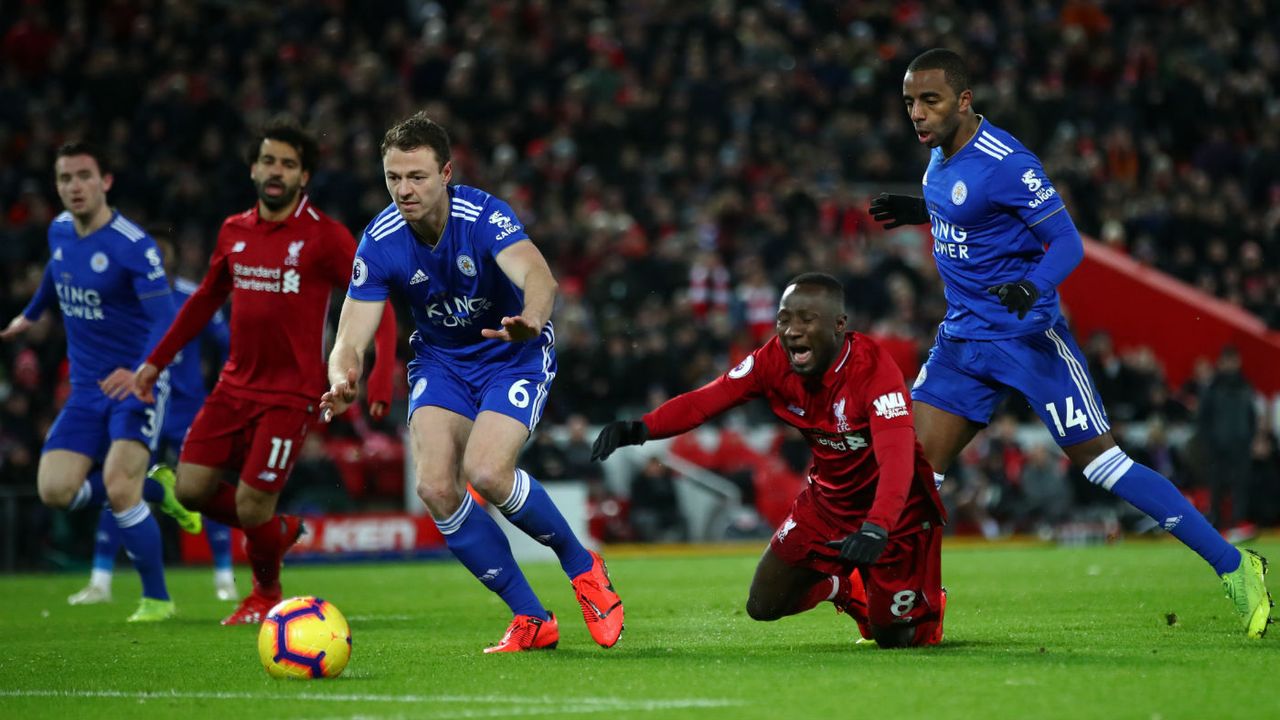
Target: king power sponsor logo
78	302
891	405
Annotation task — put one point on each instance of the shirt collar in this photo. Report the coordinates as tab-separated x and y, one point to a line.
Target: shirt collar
834	372
304	208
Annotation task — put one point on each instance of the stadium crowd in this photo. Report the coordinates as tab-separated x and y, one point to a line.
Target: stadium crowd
676	163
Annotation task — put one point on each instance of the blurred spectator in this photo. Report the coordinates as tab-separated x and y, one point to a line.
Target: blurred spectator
655	505
316	485
1227	423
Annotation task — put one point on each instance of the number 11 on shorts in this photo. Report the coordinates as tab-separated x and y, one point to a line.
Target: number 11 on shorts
280	449
1075	418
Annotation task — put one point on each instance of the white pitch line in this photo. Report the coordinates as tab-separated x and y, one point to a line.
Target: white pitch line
548	705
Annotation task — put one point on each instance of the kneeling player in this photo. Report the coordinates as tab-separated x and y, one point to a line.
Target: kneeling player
870	506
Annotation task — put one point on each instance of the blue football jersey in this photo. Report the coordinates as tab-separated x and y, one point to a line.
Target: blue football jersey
455	289
101	280
186	381
983	202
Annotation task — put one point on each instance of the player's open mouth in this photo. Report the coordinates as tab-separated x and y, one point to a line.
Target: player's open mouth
275	188
800	355
923	135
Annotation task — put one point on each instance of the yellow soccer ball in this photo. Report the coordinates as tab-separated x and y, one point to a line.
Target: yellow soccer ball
304	637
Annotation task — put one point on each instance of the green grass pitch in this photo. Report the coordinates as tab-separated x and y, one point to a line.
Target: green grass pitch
1031	632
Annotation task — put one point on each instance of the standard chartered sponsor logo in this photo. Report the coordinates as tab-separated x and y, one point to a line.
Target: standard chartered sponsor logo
259	278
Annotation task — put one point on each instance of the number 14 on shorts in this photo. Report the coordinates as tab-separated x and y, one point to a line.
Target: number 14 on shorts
1074	417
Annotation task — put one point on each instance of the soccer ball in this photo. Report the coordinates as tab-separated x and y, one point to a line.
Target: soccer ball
304	637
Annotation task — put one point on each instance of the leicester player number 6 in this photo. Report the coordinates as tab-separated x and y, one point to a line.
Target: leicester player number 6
518	395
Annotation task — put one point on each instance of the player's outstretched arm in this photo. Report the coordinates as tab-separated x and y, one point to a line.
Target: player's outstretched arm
617	434
356	327
524	264
895	210
44	297
18	325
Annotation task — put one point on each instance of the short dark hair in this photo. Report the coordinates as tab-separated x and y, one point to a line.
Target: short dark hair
418	131
828	283
287	130
84	147
949	62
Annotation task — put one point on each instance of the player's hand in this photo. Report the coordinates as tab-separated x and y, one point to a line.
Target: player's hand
863	547
340	396
119	384
379	410
514	329
895	210
144	379
16	327
1017	297
615	435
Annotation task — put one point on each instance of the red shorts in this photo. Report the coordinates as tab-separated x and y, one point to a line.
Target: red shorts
262	441
904	587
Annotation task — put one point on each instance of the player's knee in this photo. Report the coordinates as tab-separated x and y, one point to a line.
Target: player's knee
254	510
57	495
888	637
490	480
762	610
440	495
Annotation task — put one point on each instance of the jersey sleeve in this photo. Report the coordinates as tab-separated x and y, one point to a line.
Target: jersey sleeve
686	412
146	268
892	438
370	272
44	297
196	312
1019	185
498	228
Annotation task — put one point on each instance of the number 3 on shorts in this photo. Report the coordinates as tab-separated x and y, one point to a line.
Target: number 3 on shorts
518	395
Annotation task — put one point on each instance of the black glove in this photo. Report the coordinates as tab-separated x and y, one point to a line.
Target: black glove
895	210
1017	297
863	547
615	435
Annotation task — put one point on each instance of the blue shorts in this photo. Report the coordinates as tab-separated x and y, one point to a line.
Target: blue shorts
91	421
969	378
177	420
516	387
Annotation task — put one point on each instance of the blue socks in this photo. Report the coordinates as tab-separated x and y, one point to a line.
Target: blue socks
531	509
106	541
152	491
92	493
219	537
478	543
1154	495
141	537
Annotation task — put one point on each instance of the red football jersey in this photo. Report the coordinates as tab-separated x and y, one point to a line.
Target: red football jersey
280	276
840	413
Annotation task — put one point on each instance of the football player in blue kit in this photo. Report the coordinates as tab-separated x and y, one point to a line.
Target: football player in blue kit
1003	242
186	394
484	358
108	279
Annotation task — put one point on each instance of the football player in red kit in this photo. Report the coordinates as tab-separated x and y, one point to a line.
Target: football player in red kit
280	262
870	516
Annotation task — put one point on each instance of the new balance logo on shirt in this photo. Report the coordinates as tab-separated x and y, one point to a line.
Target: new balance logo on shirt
891	405
418	277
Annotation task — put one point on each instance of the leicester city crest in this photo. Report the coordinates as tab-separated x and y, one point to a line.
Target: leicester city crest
467	265
959	193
